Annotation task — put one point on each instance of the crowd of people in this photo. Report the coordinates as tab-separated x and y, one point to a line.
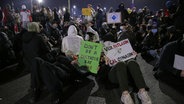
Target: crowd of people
39	40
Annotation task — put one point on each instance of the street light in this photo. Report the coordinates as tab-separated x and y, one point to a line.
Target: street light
74	6
105	8
69	6
64	9
40	1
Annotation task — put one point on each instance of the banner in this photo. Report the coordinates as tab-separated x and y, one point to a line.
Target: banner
89	55
113	18
86	11
120	51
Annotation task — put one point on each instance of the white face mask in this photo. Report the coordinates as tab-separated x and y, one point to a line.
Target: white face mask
37	10
121	27
113	27
154	31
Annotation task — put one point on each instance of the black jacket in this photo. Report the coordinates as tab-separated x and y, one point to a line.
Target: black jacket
166	61
33	46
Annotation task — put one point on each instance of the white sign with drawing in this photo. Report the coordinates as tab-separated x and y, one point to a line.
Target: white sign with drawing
120	51
179	62
113	17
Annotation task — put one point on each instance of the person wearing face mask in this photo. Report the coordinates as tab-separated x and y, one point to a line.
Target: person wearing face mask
169	69
128	34
154	31
121	31
150	44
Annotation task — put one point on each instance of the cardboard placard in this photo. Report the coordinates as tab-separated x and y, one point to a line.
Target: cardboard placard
89	55
120	51
113	18
86	11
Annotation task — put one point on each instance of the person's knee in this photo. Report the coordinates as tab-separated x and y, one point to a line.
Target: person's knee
121	64
132	63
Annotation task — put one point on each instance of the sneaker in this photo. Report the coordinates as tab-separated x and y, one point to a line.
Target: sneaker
145	99
126	99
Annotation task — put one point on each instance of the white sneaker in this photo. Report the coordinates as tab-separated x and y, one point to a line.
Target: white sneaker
145	99
126	99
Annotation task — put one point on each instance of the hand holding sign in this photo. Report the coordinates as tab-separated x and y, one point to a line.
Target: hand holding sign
107	60
182	73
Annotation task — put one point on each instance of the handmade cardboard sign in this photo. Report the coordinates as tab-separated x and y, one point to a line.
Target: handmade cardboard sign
113	18
86	11
120	51
89	55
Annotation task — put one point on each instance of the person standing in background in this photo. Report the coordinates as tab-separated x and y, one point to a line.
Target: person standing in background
25	16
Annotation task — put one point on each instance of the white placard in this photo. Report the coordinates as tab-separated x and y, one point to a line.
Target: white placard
120	51
114	17
179	62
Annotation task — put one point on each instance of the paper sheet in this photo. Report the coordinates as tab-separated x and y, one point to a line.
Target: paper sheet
179	62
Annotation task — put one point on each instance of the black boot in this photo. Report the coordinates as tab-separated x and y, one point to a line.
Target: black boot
35	95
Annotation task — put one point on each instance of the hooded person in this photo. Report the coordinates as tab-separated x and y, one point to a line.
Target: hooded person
33	45
71	43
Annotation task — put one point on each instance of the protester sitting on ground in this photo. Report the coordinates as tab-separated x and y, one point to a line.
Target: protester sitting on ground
91	30
71	43
123	74
170	36
104	30
53	75
169	67
7	55
33	45
128	33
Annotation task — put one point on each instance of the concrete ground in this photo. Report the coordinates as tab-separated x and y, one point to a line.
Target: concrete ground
13	91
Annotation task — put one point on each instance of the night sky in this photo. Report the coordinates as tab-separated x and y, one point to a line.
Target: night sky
152	4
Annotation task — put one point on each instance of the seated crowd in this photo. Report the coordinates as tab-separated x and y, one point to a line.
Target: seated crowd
47	43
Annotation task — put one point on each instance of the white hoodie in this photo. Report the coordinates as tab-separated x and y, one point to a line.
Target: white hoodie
71	43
